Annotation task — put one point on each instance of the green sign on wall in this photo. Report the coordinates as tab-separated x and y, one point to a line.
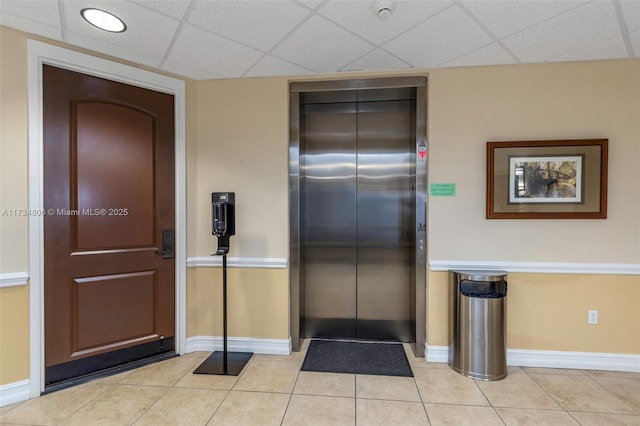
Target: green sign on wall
442	189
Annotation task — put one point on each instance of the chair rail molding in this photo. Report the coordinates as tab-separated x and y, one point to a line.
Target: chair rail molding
14	279
237	262
539	267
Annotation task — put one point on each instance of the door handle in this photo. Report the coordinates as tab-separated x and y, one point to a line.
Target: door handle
168	251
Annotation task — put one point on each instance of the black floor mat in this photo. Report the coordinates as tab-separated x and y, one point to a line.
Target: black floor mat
380	359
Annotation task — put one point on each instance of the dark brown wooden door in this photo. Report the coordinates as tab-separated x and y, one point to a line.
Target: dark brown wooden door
109	194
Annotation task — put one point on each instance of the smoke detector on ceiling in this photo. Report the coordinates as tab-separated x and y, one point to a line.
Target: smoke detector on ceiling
382	8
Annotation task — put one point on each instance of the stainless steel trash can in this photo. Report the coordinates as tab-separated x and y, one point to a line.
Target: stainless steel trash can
477	322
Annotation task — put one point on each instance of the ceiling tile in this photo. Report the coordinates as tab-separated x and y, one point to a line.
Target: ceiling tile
201	50
172	8
192	73
610	49
121	52
635	42
274	66
439	39
37	17
258	24
505	17
631	13
493	54
30	26
46	12
311	4
147	31
376	60
579	28
358	17
322	46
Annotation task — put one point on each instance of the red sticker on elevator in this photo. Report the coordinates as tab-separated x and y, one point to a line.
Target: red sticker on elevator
422	152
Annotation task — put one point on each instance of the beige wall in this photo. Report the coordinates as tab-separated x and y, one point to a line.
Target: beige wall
470	106
241	137
258	302
549	312
13	151
14	230
241	143
14	334
237	140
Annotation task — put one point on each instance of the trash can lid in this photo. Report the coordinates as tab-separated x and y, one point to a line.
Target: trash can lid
480	275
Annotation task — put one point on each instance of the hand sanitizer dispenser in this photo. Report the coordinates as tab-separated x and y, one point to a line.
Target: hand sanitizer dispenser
223	226
223	209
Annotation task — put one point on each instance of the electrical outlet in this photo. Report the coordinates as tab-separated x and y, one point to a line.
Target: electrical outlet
593	317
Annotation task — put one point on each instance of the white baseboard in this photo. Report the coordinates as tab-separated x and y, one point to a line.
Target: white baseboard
436	353
240	344
554	359
14	392
580	360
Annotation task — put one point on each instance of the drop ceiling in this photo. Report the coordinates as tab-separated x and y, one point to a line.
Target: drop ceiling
210	39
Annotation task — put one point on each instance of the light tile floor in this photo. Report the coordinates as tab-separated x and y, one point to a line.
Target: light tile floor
273	391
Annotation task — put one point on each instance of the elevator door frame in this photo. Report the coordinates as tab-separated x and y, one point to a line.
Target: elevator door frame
296	272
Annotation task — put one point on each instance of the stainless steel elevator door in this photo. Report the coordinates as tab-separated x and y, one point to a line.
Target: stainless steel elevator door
385	220
328	219
357	211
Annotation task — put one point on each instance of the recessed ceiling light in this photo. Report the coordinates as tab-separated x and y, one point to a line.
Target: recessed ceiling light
103	20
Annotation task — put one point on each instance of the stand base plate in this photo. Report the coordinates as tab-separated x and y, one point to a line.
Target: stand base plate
214	364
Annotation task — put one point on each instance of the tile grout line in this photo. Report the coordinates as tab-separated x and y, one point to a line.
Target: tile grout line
355	399
169	388
284	415
153	405
424	407
584	375
636	412
573	417
546	391
227	390
110	386
493	407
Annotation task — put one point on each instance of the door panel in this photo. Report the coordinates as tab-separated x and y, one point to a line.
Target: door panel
384	227
109	134
102	318
328	233
109	193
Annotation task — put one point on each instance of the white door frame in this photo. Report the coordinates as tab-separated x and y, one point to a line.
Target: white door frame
39	53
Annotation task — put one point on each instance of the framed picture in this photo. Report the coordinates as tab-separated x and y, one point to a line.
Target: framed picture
562	179
552	179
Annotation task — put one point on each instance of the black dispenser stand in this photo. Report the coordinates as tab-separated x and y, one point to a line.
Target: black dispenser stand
224	363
